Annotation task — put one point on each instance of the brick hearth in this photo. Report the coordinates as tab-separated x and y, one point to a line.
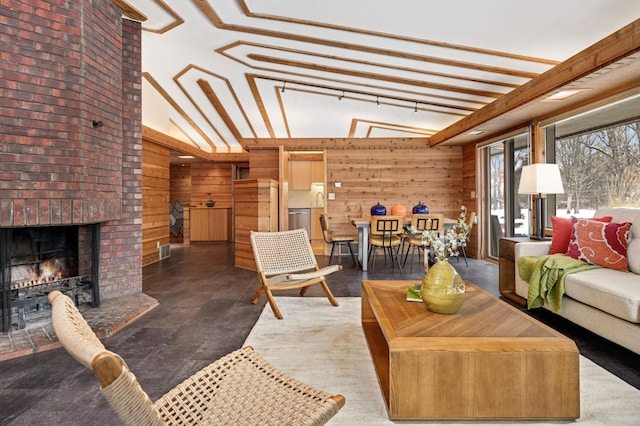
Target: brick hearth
112	316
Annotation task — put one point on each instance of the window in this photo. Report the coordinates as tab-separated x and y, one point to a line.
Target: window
509	211
599	158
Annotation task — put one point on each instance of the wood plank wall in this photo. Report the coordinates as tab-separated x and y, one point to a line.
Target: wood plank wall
264	163
155	200
211	181
389	176
256	209
469	185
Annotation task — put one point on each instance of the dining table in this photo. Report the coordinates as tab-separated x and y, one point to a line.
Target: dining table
364	223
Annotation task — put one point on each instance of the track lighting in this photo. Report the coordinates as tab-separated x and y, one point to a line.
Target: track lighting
97	124
355	92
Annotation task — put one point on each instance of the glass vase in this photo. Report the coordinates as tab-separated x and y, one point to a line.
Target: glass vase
443	290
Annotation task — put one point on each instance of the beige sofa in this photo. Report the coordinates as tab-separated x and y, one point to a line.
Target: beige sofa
605	301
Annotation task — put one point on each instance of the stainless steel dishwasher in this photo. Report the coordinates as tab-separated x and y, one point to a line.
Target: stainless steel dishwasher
300	218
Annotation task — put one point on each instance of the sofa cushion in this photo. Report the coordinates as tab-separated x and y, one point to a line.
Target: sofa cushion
627	214
614	292
562	230
598	243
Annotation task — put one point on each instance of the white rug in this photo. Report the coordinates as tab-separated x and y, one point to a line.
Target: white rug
324	346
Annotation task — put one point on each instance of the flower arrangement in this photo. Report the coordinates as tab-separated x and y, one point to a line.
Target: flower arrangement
453	239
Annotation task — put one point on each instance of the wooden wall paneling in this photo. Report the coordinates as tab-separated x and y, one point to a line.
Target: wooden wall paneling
389	176
211	181
255	209
155	200
283	189
470	187
264	163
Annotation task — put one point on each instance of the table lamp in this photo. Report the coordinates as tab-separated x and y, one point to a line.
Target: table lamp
540	179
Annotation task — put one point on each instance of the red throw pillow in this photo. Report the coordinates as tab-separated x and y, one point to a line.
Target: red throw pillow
562	230
599	243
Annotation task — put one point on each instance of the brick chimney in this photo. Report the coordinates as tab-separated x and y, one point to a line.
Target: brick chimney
70	126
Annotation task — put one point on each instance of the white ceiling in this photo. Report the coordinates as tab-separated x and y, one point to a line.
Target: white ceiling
214	69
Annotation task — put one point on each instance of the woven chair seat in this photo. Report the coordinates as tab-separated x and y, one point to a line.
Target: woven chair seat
240	388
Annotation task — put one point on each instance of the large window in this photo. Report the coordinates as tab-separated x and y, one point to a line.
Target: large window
599	158
509	212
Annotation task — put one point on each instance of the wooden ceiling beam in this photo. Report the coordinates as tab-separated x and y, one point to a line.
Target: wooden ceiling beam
607	51
175	144
334	143
130	11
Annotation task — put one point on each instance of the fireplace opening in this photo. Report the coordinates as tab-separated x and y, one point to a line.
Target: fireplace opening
37	260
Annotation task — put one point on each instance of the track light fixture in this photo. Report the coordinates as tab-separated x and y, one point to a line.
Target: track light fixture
355	92
96	124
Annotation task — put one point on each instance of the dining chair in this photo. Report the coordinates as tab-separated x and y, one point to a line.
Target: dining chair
385	232
465	239
336	240
421	222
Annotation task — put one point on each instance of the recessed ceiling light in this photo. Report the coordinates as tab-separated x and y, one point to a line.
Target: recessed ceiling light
475	132
186	156
563	94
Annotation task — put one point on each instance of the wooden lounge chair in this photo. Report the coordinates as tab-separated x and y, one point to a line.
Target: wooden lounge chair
240	388
285	260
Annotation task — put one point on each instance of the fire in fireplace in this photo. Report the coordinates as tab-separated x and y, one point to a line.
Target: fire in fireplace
37	260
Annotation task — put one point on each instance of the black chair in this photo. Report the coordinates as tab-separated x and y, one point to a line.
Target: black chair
336	240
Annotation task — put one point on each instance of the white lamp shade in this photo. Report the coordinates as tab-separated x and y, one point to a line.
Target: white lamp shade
541	178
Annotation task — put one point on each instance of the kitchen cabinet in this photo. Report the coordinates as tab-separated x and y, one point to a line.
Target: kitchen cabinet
210	224
317	171
302	173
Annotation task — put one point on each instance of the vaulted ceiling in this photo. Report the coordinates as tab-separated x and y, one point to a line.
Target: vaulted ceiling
220	75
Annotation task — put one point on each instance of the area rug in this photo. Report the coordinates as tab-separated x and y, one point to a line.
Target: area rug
325	347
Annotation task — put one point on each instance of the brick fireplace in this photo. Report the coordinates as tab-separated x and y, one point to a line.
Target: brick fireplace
70	132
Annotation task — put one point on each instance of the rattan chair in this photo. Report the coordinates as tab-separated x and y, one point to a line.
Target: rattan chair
421	222
385	233
285	260
336	240
240	388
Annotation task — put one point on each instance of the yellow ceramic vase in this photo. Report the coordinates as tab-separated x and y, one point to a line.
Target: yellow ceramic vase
443	289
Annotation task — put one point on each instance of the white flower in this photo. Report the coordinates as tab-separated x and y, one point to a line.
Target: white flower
453	239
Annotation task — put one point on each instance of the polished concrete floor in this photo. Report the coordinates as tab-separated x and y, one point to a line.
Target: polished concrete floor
203	313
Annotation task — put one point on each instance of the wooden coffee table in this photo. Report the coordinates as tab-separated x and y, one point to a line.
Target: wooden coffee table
488	361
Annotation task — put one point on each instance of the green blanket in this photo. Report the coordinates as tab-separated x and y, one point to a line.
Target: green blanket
546	275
